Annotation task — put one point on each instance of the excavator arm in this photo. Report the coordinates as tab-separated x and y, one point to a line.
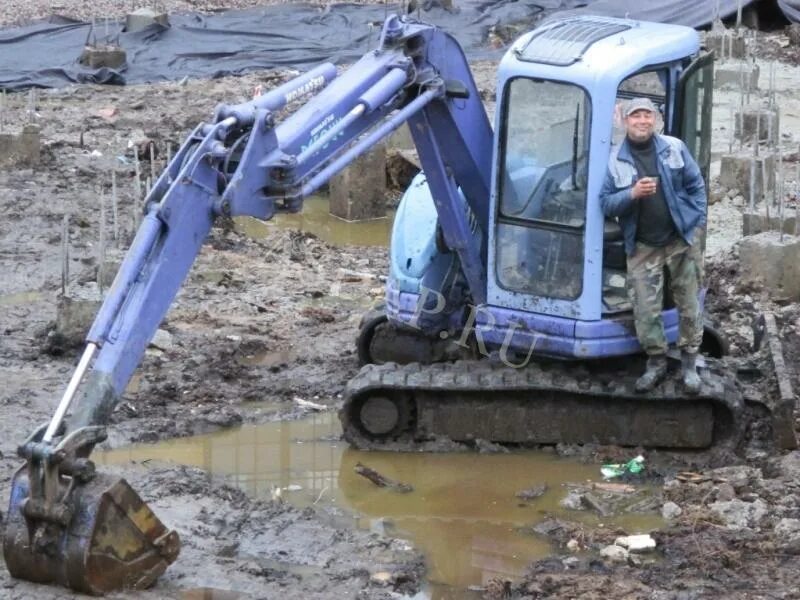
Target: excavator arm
70	525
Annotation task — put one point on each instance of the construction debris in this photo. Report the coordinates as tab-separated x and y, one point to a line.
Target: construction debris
381	480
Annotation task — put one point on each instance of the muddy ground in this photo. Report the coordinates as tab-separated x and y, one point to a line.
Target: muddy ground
738	532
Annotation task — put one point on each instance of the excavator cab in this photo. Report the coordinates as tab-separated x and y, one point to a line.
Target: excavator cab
555	280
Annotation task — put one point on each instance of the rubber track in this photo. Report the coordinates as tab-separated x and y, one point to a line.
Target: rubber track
450	379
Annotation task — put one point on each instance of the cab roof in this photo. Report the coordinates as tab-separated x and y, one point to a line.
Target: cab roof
574	48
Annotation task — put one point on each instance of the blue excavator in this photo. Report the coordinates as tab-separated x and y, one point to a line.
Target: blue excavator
505	316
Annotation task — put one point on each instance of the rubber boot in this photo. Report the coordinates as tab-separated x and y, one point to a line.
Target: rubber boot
654	374
691	380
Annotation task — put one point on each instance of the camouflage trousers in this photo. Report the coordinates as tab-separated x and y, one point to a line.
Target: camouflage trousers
646	291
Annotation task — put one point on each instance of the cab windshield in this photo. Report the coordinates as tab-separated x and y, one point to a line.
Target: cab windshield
542	188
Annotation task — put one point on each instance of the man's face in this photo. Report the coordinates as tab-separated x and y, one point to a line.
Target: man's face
640	124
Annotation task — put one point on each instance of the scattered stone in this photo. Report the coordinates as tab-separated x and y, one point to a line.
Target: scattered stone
573	545
671	511
107	113
737	514
572	501
636	543
382	578
725	492
550	527
487	447
787	534
591	502
789	466
533	492
571	562
162	340
228	550
614	553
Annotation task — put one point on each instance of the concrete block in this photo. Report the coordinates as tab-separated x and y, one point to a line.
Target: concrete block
21	149
794	34
726	43
754	223
96	57
775	264
359	192
736	75
144	18
75	313
736	171
107	271
401	139
748	118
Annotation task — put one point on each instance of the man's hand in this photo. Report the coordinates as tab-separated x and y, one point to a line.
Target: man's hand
646	186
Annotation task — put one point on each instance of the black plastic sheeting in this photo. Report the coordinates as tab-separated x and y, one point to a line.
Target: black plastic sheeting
694	13
45	53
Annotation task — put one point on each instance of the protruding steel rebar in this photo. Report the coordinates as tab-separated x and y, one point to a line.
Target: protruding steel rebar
764	195
65	254
114	206
101	249
137	187
779	186
738	14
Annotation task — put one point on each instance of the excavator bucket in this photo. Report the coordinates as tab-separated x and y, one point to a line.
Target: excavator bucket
107	538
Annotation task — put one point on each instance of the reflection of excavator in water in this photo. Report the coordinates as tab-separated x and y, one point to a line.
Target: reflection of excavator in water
500	254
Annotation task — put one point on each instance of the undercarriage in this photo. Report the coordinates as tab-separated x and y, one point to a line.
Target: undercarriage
545	402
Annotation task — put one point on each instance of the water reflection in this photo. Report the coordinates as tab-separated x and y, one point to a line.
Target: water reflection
463	512
315	218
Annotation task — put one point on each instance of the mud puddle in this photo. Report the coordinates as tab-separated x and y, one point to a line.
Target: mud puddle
316	219
20	298
463	513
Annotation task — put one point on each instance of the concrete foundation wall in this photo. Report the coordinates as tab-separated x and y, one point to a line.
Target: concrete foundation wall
754	223
774	263
359	192
736	169
21	149
765	119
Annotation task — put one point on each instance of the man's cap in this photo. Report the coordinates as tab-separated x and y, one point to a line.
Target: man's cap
640	104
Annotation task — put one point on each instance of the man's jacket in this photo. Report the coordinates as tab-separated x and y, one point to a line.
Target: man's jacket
681	181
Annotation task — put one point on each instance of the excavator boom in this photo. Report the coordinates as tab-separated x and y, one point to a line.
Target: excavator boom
72	526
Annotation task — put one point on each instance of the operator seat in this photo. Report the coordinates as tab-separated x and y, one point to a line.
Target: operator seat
613	246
